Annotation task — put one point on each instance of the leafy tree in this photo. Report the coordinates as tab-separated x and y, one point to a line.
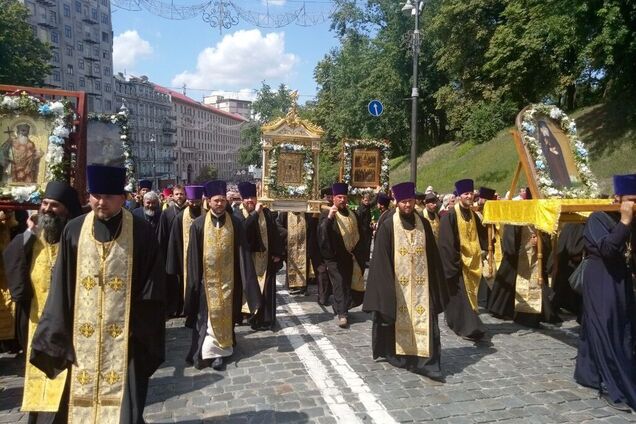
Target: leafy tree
207	173
23	57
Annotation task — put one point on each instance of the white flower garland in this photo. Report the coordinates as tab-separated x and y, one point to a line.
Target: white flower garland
302	190
58	162
529	135
385	150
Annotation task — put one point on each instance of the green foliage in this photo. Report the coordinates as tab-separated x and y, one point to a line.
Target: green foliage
207	173
23	57
486	119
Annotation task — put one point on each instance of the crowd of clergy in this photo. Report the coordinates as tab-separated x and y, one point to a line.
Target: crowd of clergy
87	289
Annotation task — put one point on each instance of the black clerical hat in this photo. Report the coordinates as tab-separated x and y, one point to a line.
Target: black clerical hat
145	184
625	184
215	188
65	194
104	179
247	189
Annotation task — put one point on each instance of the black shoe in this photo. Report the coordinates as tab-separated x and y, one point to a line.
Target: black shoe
202	364
619	406
217	364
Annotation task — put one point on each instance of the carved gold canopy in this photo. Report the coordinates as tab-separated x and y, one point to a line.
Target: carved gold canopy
292	129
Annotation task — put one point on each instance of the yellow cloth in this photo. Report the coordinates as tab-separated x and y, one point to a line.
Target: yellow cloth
41	393
527	288
470	253
101	324
543	214
348	228
296	250
412	315
259	258
7	307
434	223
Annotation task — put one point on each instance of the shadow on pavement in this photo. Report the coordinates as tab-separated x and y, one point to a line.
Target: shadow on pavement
456	359
10	398
255	417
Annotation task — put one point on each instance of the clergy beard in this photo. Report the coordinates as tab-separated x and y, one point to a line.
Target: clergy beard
149	212
52	226
196	209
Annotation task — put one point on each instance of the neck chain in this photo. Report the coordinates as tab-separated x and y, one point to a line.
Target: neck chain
108	245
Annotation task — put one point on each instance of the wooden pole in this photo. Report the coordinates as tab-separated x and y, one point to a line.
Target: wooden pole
539	257
515	180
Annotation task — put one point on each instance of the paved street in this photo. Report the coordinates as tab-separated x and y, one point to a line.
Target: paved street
309	370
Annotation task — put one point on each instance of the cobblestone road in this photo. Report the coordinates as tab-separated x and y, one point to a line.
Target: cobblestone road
310	370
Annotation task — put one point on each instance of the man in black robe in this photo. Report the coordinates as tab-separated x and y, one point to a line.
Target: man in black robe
267	246
341	262
207	350
52	348
175	261
150	211
455	250
568	255
137	199
606	360
363	211
384	202
381	295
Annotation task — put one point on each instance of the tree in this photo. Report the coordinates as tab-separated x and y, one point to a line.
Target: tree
23	57
207	173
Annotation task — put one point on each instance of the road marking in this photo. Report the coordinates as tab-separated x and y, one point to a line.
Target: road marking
332	394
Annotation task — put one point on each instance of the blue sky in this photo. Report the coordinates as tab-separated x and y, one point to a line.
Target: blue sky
172	52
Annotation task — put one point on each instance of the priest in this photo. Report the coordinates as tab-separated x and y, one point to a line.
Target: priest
606	360
266	248
29	260
103	322
430	212
339	239
220	273
462	241
150	211
177	249
406	289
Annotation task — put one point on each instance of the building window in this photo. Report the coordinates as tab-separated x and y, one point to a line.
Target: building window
94	14
67	10
68	32
69	69
98	85
107	88
107	71
96	69
69	51
55	37
56	75
104	54
78	6
96	52
71	86
104	37
80	46
109	105
82	82
56	57
104	18
52	17
80	64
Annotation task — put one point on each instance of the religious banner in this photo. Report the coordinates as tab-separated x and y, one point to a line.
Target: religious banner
365	165
556	160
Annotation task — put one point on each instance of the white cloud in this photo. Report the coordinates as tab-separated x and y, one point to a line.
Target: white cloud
128	48
242	94
244	58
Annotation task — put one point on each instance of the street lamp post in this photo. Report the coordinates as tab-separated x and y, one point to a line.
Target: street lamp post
414	9
154	160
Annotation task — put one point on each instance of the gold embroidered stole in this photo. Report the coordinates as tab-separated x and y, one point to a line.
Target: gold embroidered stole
101	324
186	223
498	253
259	258
527	288
7	307
348	228
296	250
40	393
434	223
412	323
218	277
470	253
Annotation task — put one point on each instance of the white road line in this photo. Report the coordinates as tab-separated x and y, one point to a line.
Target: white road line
373	407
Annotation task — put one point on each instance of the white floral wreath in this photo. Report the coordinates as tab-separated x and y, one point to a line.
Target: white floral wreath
349	147
58	160
121	118
529	135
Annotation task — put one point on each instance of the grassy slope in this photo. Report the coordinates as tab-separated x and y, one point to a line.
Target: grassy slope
611	141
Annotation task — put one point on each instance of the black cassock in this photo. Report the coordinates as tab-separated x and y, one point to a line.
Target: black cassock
366	232
245	282
339	263
52	344
501	302
174	261
266	314
460	316
608	326
17	267
567	257
380	298
152	220
174	307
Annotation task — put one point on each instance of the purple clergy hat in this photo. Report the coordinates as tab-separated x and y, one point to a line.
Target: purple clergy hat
383	199
487	193
625	184
247	189
194	192
215	188
403	191
104	179
145	184
340	189
464	186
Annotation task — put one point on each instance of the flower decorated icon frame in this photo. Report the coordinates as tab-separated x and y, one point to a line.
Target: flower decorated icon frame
365	165
43	137
555	159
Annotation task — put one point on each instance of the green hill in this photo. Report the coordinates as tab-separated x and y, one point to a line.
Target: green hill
610	139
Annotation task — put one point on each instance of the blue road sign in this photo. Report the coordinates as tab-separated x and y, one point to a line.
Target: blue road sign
375	108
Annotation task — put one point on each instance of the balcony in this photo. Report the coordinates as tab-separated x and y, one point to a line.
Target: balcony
47	3
92	75
90	38
45	22
89	57
89	20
